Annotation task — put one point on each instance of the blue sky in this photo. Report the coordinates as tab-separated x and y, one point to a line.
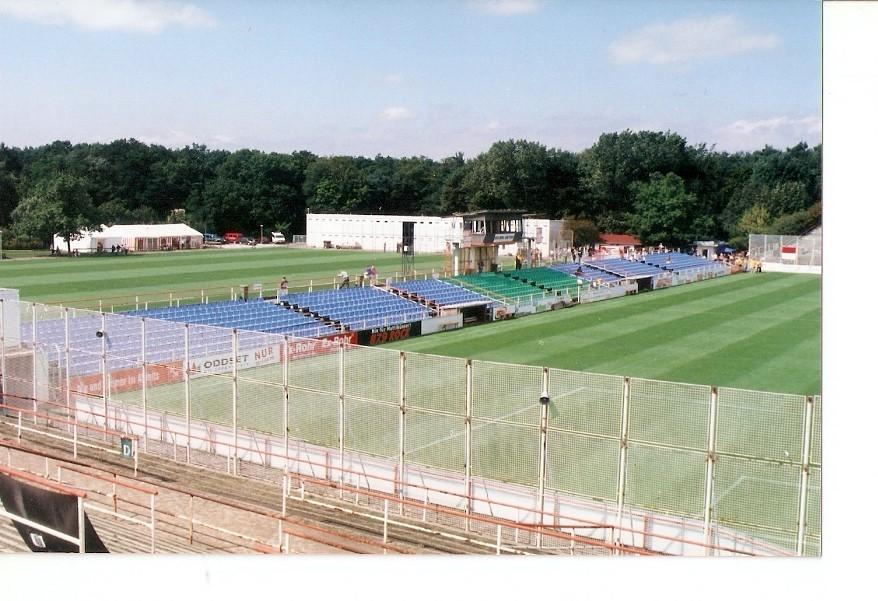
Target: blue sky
408	78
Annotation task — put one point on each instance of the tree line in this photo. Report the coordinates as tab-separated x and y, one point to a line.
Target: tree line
651	184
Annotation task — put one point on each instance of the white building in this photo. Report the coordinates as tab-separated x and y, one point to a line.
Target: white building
380	232
139	237
384	232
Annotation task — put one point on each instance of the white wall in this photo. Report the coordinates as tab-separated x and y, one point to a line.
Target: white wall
381	232
384	232
789	268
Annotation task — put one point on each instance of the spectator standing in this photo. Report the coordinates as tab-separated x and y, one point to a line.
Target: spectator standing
284	287
345	279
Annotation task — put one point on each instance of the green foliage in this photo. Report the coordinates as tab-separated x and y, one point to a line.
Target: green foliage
663	211
131	182
798	223
61	205
755	220
584	231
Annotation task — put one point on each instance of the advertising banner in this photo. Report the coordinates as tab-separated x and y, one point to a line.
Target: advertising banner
222	363
130	378
308	347
389	333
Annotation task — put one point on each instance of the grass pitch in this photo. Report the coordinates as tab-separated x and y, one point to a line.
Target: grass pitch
753	331
81	281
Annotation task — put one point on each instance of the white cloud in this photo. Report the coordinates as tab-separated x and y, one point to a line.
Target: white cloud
689	40
780	132
396	113
139	16
393	78
507	7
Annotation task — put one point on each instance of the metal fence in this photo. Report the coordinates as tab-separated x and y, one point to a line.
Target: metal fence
789	250
671	467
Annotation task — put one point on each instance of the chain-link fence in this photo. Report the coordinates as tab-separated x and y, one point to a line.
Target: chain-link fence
721	464
788	250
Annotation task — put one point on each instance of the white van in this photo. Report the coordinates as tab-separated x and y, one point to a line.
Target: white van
278	238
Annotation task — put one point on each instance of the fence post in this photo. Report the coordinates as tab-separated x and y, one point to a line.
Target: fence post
286	410
187	393
33	337
468	447
341	393
806	463
143	378
544	424
711	464
105	379
67	365
401	457
623	460
235	401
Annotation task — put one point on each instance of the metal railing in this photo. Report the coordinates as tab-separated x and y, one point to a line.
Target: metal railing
727	471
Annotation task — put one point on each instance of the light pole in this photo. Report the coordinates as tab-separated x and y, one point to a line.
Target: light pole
261	239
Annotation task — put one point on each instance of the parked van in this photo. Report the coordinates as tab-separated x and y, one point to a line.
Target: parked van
278	238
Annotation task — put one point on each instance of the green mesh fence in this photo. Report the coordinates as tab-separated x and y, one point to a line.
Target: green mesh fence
313	417
764	425
814	513
260	406
669	413
507	392
371	373
506	452
316	372
371	427
435	439
756	493
211	398
817	432
585	403
582	465
665	479
759	435
435	383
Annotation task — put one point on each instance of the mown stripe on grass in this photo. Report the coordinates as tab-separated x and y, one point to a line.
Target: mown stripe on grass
765	351
657	333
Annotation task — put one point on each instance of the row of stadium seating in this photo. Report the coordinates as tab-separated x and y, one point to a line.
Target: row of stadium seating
674	261
589	274
543	277
257	315
440	293
624	268
497	286
359	308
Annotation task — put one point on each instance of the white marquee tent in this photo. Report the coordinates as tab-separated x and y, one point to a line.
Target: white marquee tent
139	237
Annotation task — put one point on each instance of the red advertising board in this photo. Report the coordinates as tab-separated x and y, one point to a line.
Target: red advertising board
131	378
308	347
